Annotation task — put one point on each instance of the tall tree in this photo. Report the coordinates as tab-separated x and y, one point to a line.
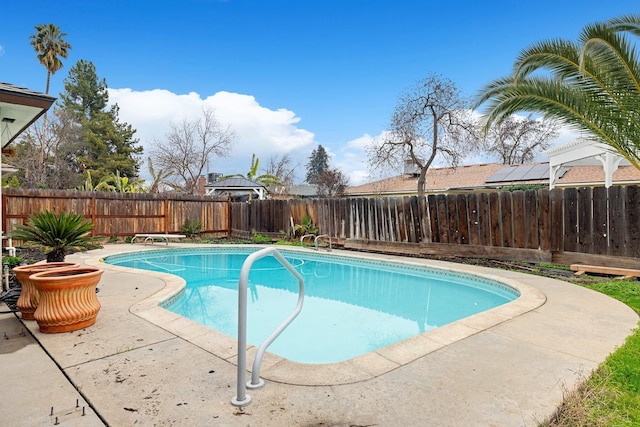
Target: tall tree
50	46
188	147
518	139
46	153
317	165
109	146
430	118
592	85
332	183
281	168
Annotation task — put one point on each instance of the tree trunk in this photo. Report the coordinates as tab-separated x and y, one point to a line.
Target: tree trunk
56	255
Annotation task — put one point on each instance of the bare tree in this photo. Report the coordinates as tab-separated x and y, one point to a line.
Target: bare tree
281	168
46	157
331	183
430	119
517	139
188	148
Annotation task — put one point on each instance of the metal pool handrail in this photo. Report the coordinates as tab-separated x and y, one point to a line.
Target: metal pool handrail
241	398
315	241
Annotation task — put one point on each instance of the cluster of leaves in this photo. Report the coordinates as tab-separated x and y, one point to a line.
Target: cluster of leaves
56	234
329	182
592	85
305	227
192	229
83	135
113	183
259	238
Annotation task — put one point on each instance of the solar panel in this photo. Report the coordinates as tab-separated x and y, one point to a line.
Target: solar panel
534	172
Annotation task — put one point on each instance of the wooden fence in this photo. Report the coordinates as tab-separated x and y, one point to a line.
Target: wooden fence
117	214
562	225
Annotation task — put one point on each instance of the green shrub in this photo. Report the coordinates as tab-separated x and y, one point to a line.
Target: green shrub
305	227
259	238
192	229
11	261
56	234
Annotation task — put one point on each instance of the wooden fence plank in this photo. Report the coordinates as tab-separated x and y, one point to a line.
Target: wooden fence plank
473	218
484	219
443	218
617	218
544	219
632	235
452	220
585	220
463	220
495	220
520	220
570	220
432	206
531	220
506	223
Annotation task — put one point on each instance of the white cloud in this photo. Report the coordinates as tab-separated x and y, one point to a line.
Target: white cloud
352	160
258	130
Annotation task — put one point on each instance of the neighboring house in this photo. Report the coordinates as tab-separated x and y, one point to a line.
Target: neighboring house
303	191
491	177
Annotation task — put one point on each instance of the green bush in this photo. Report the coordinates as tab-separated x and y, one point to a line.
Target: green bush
259	238
11	261
56	234
192	229
305	227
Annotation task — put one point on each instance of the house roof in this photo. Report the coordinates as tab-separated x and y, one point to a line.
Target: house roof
491	176
19	107
303	190
235	183
438	179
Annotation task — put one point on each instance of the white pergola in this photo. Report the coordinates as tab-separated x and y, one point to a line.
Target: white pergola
584	152
236	186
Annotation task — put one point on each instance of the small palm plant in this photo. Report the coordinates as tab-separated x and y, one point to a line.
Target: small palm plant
56	234
306	226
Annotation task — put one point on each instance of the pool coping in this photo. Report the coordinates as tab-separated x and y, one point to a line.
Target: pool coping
358	369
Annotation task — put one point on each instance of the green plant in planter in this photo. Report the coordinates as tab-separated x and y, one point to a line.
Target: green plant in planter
56	233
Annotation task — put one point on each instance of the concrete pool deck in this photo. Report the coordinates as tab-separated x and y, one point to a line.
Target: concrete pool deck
139	364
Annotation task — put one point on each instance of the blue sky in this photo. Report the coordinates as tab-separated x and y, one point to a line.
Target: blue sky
285	75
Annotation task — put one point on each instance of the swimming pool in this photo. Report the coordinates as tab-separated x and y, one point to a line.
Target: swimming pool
352	306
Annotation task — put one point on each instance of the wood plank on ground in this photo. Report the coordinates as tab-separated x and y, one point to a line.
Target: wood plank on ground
611	271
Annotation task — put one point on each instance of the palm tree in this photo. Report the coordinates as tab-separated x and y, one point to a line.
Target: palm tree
49	45
264	179
56	233
120	184
157	179
592	85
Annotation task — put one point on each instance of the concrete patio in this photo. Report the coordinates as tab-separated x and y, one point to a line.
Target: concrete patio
140	365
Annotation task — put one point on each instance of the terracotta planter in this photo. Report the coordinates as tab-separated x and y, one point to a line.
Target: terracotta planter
29	296
68	300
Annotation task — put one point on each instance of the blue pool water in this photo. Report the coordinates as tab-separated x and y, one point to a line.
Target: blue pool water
351	306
